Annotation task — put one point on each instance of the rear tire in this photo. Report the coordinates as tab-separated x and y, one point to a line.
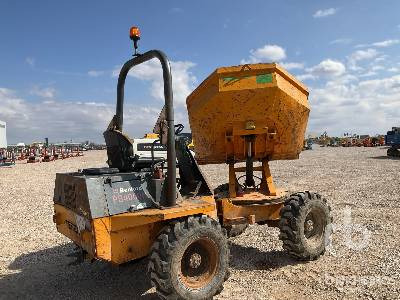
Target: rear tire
305	225
190	259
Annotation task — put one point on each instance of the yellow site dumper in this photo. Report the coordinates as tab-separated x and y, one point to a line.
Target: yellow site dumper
252	113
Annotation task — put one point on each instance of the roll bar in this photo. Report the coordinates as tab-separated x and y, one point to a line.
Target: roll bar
169	111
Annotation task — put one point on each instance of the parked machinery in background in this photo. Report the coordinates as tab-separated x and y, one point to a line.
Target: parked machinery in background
368	142
323	140
308	143
7	157
392	139
333	142
374	141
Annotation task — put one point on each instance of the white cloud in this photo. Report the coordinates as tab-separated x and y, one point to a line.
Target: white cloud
65	120
325	12
380	58
362	45
335	105
95	73
30	61
304	77
394	69
341	41
327	68
267	53
292	65
381	44
183	81
368	74
389	85
386	43
12	106
360	55
48	92
363	54
377	68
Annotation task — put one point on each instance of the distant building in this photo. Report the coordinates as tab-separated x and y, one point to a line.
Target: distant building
3	135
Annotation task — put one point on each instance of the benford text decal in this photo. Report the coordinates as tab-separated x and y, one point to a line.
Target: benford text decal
126	194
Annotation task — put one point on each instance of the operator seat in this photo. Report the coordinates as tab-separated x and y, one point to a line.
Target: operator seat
119	150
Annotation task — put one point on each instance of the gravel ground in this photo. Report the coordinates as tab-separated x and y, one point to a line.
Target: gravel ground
363	262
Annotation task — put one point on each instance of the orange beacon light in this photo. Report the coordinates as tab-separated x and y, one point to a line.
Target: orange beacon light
134	34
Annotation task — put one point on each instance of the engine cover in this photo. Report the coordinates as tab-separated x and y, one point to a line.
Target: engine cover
98	195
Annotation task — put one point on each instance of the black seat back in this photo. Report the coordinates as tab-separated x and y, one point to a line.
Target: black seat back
119	150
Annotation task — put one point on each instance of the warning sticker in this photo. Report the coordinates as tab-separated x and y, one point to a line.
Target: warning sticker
264	78
228	79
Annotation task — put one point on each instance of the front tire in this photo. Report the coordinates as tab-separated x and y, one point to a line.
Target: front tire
190	259
305	225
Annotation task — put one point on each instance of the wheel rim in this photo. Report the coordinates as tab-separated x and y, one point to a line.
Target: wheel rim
314	227
199	263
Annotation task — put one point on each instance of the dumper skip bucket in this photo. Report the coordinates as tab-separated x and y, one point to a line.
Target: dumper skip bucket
262	103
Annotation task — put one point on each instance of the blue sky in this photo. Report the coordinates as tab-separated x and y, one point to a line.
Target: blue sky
59	60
